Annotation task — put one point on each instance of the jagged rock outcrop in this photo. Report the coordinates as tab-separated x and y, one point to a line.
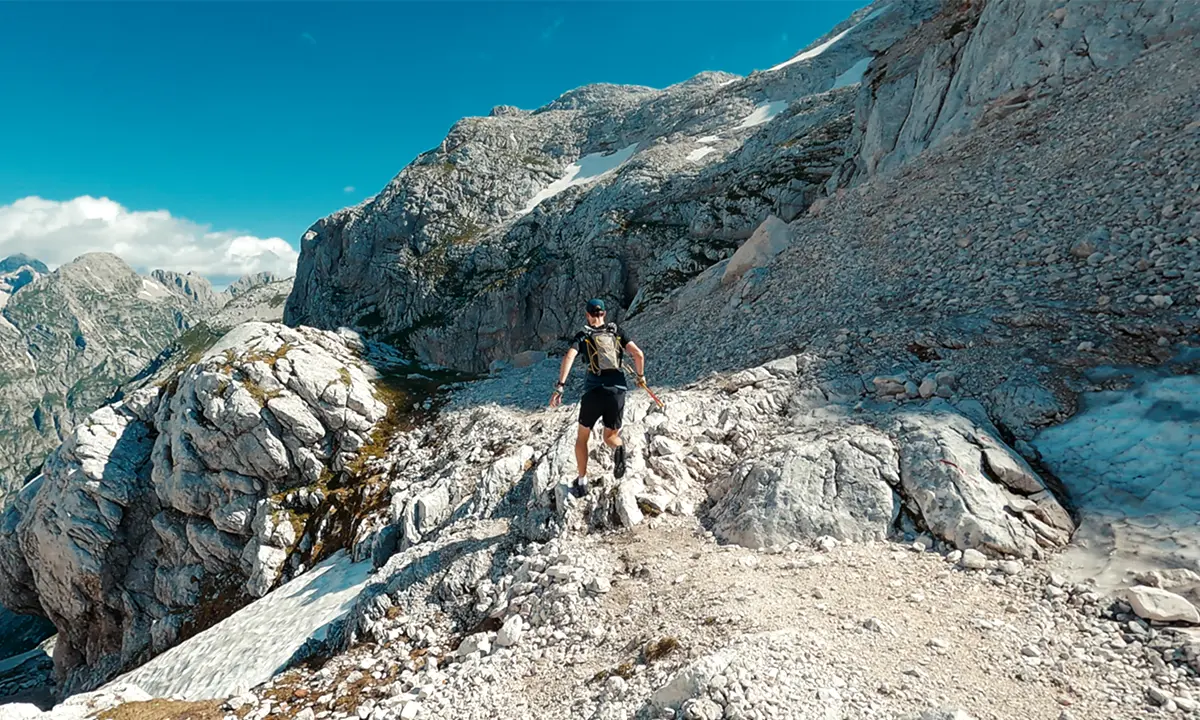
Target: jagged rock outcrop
73	337
190	286
472	252
766	456
252	300
161	513
251	282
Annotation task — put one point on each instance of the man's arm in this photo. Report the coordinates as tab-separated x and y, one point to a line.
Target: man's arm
639	359
563	371
565	368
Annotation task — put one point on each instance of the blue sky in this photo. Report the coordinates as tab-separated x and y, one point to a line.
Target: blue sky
257	117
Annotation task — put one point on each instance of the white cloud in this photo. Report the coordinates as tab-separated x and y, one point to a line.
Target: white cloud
308	38
58	232
348	189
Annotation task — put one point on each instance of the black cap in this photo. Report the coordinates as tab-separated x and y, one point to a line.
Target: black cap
595	305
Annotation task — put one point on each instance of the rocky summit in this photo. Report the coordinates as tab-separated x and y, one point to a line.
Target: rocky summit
921	304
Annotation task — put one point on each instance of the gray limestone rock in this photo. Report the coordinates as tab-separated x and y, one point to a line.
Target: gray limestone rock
154	499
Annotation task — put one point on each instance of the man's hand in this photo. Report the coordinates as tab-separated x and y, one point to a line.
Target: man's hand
556	397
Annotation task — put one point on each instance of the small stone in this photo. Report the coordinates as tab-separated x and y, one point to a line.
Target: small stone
1086	346
1031	651
873	625
928	387
1186	704
599	585
411	710
510	631
1083	248
826	543
1011	567
954	557
972	559
1158	697
889	384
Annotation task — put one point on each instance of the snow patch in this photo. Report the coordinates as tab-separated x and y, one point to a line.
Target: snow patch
152	290
854	75
762	114
814	52
584	170
707	139
1128	461
255	643
699	153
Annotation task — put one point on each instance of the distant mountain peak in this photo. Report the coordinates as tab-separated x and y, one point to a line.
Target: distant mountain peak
13	263
251	281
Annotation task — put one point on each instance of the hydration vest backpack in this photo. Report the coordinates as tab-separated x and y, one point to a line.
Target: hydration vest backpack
604	348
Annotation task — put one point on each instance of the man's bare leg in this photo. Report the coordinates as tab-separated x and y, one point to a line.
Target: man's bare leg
581	458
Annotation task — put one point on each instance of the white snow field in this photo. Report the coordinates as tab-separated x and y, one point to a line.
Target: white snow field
253	644
762	114
1130	461
699	153
814	52
582	171
853	75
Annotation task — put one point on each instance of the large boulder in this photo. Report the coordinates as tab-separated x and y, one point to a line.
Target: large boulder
160	514
839	482
943	463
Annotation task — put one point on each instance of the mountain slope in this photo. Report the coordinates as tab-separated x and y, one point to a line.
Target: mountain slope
472	252
70	338
484	246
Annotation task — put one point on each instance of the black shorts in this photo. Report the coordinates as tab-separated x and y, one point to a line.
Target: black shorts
608	403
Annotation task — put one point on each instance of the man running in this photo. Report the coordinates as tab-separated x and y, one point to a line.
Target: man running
603	344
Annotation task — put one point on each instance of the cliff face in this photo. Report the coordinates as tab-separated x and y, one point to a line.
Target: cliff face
486	245
162	513
979	60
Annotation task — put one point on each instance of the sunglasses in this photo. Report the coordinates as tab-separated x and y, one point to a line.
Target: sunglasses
595	313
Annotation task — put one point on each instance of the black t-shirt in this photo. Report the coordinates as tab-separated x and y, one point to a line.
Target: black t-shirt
611	379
